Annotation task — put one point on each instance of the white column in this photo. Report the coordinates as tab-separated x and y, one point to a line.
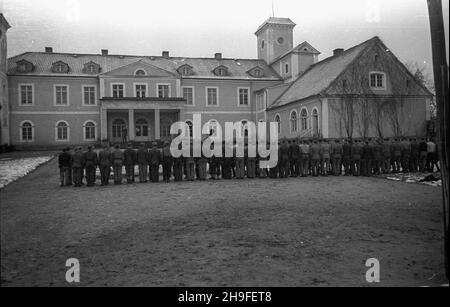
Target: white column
324	118
102	88
131	124
103	124
178	84
157	123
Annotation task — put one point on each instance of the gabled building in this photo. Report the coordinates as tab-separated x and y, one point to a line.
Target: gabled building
57	99
4	111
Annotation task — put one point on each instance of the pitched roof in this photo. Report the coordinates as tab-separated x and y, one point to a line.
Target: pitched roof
202	67
299	48
319	76
276	21
4	21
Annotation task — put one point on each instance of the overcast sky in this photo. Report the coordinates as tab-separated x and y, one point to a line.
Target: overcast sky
199	28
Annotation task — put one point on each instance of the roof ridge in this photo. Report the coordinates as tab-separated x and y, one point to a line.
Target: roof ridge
132	55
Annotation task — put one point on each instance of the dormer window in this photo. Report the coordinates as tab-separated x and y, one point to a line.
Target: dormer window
60	67
24	66
256	72
185	70
221	71
140	72
91	68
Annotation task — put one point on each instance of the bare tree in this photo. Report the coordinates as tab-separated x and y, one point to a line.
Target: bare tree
420	74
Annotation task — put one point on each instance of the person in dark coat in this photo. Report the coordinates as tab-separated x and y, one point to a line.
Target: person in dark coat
142	162
167	162
178	166
347	157
64	165
294	150
91	162
117	159
154	162
129	160
105	162
77	163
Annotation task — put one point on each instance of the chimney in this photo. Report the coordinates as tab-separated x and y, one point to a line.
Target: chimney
104	51
48	49
338	51
165	54
218	56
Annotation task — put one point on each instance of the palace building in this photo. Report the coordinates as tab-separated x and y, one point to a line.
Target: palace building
58	99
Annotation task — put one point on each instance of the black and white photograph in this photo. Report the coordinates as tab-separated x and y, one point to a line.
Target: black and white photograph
224	149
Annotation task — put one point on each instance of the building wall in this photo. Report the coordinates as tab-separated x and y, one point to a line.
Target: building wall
4	107
285	116
411	116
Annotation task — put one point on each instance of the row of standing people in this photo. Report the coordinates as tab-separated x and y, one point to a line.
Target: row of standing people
295	158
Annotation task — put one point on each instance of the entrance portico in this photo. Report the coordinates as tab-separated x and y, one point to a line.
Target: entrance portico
141	120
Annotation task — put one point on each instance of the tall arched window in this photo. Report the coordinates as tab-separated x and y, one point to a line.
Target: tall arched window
141	127
294	121
118	126
26	131
62	131
278	121
89	131
315	122
304	118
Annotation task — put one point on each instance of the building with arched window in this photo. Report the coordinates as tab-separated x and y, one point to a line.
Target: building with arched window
55	99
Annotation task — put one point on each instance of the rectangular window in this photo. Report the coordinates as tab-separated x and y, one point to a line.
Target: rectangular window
163	90
89	95
117	90
61	95
211	96
140	90
243	96
188	94
165	131
377	80
26	94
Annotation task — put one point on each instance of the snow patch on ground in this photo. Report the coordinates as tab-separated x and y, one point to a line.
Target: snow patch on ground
13	169
415	178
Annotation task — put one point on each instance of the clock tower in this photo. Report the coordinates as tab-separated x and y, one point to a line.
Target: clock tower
274	38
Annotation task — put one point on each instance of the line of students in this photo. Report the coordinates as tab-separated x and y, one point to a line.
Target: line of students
295	158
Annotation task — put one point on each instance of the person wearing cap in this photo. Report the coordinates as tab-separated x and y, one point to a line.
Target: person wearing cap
154	162
396	156
214	164
117	158
337	151
167	162
386	151
178	165
190	164
347	156
294	151
142	162
356	163
105	162
415	155
251	160
64	159
91	161
305	152
325	150
77	163
129	160
406	154
283	158
432	156
423	155
315	158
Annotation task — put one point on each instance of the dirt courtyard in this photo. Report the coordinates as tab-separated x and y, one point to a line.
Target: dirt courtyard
259	232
